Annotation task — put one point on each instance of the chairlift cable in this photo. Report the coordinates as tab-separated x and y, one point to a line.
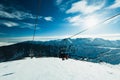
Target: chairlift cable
95	25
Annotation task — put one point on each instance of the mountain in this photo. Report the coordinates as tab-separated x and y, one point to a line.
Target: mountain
56	69
94	50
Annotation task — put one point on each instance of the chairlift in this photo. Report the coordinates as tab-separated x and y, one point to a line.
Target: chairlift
65	49
31	53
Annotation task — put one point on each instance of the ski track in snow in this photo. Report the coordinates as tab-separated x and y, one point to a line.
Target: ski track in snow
56	69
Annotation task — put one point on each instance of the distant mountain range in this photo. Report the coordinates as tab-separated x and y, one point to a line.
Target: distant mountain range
94	50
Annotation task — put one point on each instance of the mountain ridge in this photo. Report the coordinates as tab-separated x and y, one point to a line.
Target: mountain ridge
95	50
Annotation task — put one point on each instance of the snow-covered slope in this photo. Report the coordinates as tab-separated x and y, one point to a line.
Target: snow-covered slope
56	69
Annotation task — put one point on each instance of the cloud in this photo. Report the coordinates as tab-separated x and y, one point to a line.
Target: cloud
49	18
2	33
83	7
76	20
16	14
64	5
20	15
28	25
1	7
6	14
104	36
84	21
115	5
10	24
5	43
58	2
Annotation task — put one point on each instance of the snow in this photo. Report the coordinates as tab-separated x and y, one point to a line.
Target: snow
113	48
56	69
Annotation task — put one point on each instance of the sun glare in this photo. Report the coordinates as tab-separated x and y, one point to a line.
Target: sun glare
91	21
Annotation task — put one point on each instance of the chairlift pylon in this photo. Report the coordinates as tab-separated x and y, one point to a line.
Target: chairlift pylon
34	32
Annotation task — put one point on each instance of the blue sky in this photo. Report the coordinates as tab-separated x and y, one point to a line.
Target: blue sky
57	19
